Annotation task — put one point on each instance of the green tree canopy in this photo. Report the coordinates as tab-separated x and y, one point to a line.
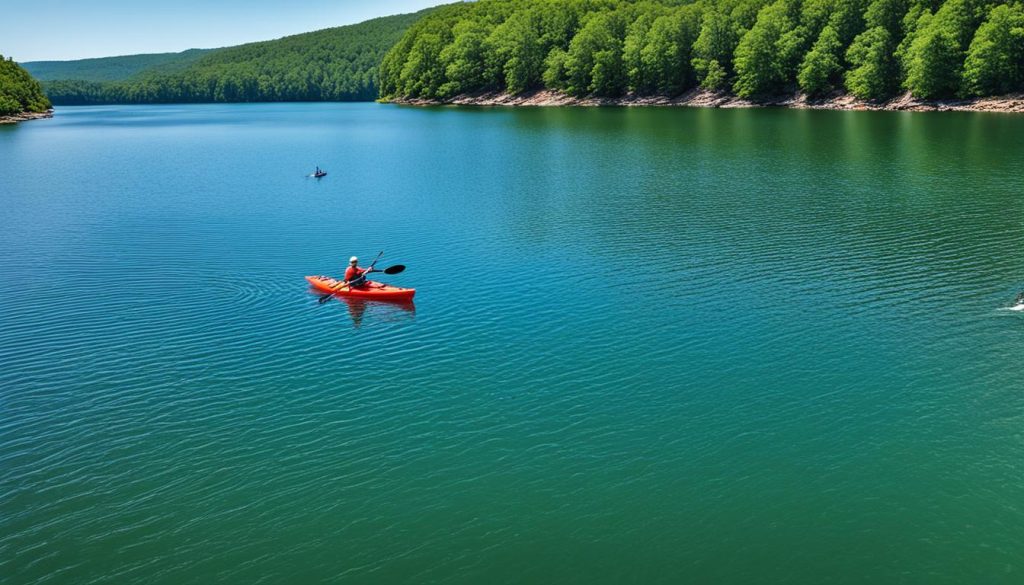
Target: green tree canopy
764	55
995	59
874	69
822	67
338	64
872	48
713	50
19	92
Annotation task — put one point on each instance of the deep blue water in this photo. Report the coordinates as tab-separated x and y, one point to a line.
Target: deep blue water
648	346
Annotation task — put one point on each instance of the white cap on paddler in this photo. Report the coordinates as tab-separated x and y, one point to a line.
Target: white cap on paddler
353	259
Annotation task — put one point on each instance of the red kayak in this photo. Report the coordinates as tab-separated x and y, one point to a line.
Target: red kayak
371	290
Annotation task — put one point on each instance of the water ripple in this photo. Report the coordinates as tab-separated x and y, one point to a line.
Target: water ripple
645	344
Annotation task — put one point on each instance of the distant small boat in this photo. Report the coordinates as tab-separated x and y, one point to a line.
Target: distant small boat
320	173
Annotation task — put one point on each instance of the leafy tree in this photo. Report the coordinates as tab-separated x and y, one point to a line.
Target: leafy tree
716	77
637	72
463	60
555	75
743	13
873	70
815	14
934	59
19	92
848	20
666	57
423	72
762	57
874	75
594	63
822	67
515	44
559	21
995	59
713	50
608	76
887	14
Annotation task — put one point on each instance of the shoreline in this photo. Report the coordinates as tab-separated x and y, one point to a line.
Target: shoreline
25	116
702	98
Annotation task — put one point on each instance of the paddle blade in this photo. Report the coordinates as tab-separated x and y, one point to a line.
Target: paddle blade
394	269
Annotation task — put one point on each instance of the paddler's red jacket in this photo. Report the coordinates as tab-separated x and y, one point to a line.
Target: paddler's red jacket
353	272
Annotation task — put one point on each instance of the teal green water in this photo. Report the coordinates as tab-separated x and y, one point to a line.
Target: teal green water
648	346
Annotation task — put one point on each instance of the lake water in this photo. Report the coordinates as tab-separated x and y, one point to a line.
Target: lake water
648	346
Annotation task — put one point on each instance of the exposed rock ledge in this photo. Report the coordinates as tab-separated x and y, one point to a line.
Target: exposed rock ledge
708	99
11	119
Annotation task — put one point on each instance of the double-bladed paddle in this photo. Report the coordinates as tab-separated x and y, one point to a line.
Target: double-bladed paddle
362	276
389	270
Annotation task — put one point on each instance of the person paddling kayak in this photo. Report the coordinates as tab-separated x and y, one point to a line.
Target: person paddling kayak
354	275
356	285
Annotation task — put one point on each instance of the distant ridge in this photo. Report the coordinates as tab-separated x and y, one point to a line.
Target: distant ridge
332	64
113	68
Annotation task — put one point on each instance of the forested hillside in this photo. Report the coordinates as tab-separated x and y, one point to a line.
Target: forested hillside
113	68
18	91
335	64
872	49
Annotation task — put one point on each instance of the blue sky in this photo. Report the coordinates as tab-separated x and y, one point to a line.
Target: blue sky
63	29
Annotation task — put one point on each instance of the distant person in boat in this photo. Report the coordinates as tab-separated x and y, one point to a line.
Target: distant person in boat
1020	298
354	275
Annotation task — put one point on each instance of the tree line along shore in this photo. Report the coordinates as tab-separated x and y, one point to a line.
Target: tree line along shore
873	50
21	97
838	54
334	64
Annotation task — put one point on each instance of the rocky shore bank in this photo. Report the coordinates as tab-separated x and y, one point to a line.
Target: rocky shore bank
700	98
22	117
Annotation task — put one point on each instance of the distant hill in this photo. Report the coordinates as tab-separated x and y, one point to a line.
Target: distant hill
334	64
18	91
113	68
